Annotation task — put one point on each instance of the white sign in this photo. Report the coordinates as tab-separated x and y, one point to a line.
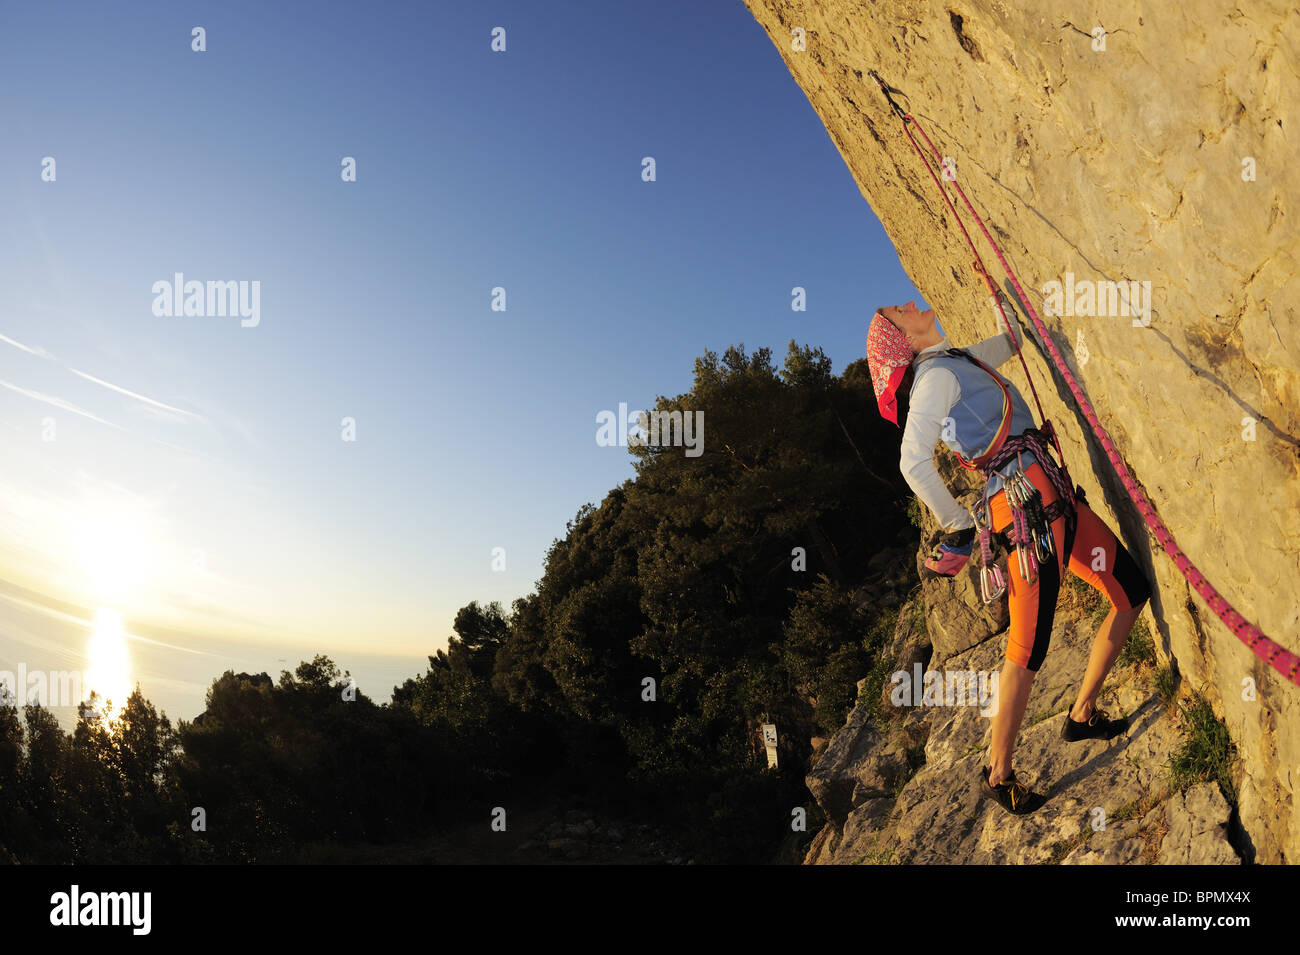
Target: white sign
769	740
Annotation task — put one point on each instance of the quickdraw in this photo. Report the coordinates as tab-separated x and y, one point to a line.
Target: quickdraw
992	585
1028	500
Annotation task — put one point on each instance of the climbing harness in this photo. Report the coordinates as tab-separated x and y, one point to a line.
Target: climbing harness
1277	656
1031	528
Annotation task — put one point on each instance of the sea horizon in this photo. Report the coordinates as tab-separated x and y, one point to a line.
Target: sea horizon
49	641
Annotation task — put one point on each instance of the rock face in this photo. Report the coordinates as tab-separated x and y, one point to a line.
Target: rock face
1109	802
1197	819
856	768
1159	152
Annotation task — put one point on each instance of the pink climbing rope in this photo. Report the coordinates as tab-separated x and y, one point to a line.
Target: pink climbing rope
1272	653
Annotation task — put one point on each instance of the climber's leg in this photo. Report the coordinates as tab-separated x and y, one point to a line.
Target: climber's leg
1100	559
1032	608
1112	633
1014	684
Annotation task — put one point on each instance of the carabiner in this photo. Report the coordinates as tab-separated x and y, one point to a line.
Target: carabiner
1045	546
991	592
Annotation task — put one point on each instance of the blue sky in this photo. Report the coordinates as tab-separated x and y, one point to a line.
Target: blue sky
196	476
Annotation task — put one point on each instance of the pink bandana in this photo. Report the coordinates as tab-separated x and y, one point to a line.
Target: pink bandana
888	356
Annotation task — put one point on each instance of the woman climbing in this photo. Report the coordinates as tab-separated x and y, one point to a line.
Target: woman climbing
954	395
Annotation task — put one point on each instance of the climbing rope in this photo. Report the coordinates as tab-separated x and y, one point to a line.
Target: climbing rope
1277	656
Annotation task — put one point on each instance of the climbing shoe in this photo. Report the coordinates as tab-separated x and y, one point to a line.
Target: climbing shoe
950	555
1015	797
1096	726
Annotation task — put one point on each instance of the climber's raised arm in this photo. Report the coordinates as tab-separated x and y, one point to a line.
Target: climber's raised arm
996	349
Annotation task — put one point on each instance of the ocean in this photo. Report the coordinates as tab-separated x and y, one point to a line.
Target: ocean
58	652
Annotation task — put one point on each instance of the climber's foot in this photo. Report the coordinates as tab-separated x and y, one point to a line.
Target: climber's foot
1096	726
1015	797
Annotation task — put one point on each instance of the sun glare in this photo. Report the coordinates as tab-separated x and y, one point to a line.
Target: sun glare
115	554
110	662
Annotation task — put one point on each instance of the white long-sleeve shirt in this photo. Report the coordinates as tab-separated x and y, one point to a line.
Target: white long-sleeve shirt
931	400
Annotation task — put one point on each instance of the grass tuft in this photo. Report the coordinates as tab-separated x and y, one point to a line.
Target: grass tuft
1166	685
1208	751
1139	650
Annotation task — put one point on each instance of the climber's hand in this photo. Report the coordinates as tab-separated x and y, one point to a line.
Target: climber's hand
951	553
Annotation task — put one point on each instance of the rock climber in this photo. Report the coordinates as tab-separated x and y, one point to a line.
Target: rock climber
936	392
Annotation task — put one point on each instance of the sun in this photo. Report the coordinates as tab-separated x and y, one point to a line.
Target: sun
109	673
115	555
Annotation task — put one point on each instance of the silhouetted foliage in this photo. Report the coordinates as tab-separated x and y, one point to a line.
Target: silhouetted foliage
707	595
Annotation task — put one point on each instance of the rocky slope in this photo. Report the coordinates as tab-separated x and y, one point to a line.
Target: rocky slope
1108	802
1134	143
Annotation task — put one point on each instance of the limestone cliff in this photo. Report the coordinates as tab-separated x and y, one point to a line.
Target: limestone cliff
1136	143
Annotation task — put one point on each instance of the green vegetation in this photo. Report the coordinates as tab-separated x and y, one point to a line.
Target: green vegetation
270	764
1098	614
1208	751
1064	847
1126	811
879	857
873	686
1139	650
915	607
1079	586
699	599
1166	685
1086	600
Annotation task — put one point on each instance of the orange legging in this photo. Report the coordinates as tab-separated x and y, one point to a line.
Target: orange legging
1095	554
